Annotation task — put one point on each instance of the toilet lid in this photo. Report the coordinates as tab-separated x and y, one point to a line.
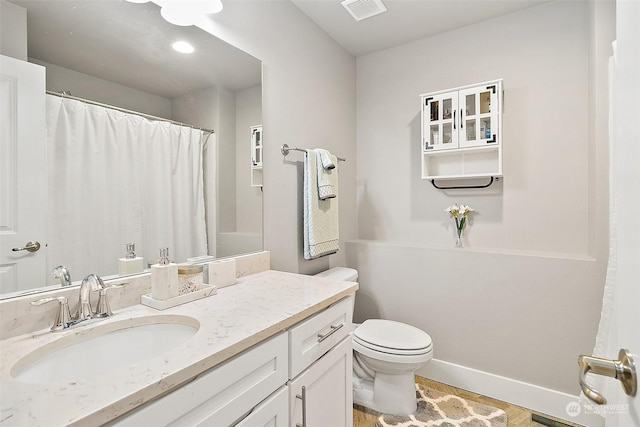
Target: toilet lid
390	335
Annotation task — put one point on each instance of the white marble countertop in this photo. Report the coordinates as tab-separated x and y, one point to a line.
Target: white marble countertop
238	317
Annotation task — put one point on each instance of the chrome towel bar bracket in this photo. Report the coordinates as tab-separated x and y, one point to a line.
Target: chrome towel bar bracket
284	149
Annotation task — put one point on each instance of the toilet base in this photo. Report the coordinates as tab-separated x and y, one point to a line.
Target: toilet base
389	394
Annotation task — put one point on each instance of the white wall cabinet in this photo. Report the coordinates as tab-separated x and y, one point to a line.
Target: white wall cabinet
256	156
462	132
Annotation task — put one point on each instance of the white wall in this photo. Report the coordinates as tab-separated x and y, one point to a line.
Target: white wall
308	101
248	199
522	300
13	30
82	85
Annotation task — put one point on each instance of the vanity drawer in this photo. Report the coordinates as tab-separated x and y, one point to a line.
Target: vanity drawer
313	337
222	395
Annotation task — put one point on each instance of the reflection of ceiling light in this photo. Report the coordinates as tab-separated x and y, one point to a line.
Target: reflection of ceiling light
187	12
137	1
183	47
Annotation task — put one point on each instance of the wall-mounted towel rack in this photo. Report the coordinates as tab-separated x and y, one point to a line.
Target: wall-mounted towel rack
464	187
285	150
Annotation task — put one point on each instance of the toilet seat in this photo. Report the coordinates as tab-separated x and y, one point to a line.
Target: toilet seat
399	352
391	341
392	337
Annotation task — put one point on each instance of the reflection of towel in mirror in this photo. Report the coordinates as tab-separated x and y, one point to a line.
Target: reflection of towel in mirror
328	161
327	179
320	216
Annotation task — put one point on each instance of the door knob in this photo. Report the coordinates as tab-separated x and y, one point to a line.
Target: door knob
29	247
622	369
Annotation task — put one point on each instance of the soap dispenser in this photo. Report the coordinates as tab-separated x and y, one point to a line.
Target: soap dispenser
130	264
164	278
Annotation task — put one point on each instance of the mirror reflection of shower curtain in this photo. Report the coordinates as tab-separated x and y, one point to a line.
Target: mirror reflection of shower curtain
117	178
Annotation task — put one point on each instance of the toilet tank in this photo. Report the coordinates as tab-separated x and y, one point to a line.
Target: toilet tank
340	273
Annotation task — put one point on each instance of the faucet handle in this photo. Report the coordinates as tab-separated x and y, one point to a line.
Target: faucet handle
103	309
63	315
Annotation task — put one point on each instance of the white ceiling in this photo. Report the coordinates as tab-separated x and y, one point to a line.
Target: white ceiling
404	21
130	44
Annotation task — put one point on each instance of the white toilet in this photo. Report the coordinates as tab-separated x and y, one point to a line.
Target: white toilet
386	355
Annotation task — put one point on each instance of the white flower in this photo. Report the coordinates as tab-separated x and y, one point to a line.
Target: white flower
454	210
459	214
465	209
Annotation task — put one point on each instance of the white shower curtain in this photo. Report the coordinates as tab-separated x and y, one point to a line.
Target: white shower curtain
117	178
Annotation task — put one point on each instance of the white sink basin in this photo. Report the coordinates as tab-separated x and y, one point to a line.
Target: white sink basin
104	348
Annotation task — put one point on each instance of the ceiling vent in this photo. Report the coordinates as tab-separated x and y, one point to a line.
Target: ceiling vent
363	9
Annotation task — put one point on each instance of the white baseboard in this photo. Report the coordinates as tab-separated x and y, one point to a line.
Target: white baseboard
539	399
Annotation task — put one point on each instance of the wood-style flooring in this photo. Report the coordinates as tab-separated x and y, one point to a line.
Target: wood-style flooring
516	416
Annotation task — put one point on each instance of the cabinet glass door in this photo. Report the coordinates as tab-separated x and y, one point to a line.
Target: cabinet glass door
440	121
478	116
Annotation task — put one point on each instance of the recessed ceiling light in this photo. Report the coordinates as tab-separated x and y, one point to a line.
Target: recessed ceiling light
183	47
363	9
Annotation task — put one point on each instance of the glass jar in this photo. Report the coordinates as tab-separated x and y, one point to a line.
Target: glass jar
189	278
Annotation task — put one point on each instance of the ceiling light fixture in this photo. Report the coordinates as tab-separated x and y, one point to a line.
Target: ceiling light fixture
183	47
363	9
187	12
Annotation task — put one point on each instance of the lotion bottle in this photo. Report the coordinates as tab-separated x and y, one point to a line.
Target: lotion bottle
130	264
164	278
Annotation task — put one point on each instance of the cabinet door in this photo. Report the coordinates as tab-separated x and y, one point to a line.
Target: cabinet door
440	121
322	394
273	412
479	114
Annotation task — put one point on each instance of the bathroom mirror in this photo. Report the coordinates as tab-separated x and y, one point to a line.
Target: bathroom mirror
112	51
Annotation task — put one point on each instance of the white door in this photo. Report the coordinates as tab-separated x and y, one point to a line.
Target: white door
23	182
626	173
620	326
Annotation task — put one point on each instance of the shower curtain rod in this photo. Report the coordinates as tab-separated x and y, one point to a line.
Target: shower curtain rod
124	110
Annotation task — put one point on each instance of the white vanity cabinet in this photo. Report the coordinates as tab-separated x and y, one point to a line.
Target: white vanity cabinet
320	365
461	132
259	387
225	394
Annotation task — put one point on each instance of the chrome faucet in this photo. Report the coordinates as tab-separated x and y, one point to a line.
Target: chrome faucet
61	272
84	311
89	284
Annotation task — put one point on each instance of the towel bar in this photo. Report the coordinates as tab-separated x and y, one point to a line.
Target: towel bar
285	150
462	187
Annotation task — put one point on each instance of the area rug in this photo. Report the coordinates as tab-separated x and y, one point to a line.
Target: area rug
436	408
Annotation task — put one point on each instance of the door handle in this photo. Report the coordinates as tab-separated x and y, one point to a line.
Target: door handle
29	247
622	369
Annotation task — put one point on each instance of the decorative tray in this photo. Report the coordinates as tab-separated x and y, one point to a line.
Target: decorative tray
206	291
